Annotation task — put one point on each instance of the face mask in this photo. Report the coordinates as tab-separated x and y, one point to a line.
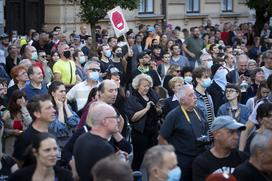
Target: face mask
94	76
174	174
119	54
206	83
34	56
107	53
67	54
82	59
209	64
188	79
146	64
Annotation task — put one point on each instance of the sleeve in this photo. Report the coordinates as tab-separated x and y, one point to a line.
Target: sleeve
220	111
71	93
131	107
168	126
26	117
57	68
199	170
73	120
252	116
19	148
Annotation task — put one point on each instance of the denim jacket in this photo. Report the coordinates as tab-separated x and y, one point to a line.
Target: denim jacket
201	104
60	129
225	109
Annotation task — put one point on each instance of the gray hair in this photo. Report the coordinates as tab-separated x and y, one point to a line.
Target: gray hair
98	111
154	156
260	142
242	57
182	91
136	81
88	64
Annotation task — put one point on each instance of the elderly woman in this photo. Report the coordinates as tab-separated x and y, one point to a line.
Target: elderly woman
143	113
232	107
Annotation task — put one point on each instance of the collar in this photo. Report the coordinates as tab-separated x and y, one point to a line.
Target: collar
175	98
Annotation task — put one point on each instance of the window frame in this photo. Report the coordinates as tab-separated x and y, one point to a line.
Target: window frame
225	9
145	7
192	11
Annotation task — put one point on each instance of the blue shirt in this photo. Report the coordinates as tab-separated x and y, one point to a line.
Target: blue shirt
31	91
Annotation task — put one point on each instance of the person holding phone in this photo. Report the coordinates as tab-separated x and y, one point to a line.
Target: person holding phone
143	113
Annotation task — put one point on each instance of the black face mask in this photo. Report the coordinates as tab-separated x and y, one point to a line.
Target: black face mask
146	64
67	54
119	54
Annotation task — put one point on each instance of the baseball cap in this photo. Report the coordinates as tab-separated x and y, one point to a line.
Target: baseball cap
114	70
150	29
76	37
142	54
226	122
4	35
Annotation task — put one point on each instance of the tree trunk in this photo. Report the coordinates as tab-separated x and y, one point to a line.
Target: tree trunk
260	21
94	44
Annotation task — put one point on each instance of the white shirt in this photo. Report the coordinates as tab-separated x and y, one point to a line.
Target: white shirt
80	93
267	72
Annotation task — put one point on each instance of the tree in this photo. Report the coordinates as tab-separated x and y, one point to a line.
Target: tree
91	11
263	11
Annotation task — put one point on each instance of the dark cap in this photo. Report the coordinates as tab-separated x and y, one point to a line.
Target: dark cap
214	68
114	70
142	54
4	35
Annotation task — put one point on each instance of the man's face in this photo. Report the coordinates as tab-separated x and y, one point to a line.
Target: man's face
166	58
146	60
29	52
266	158
47	112
94	67
113	42
37	75
268	62
176	50
242	66
83	30
110	93
112	121
226	138
189	100
42	57
196	33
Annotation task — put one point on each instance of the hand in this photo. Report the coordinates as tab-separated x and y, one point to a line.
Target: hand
21	102
192	55
122	155
58	103
148	105
17	132
130	52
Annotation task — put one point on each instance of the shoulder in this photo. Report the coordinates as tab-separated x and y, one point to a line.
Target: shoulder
63	173
23	173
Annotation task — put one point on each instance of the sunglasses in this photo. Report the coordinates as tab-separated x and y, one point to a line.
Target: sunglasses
95	70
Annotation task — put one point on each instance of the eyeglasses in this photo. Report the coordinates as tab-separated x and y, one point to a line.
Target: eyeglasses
177	70
43	56
230	91
95	70
117	117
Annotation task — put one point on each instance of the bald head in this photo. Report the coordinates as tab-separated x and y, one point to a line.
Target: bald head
108	91
28	51
242	63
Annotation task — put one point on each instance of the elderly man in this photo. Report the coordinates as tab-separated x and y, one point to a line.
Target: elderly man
186	129
160	163
237	75
94	145
260	162
80	91
224	155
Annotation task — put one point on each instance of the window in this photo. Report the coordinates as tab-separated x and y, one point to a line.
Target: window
226	5
193	6
146	6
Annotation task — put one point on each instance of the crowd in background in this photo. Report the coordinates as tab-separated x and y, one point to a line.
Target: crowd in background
65	103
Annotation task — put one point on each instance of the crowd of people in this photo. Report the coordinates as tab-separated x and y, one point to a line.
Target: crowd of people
157	104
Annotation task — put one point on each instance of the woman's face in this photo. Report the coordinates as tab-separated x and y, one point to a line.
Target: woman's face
231	94
177	86
55	57
46	155
170	43
264	92
259	76
176	72
144	87
22	76
60	93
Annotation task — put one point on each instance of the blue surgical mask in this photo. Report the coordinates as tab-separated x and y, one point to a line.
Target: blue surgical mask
34	56
209	64
94	76
206	83
108	53
174	174
82	59
188	79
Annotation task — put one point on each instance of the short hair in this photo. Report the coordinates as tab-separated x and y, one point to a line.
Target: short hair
182	91
15	71
186	69
110	38
56	27
75	54
175	80
267	54
172	69
263	110
260	142
112	168
198	73
30	70
136	81
34	105
242	57
154	156
101	86
88	64
269	82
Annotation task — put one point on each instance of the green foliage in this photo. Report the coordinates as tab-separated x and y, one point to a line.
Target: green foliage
264	6
93	10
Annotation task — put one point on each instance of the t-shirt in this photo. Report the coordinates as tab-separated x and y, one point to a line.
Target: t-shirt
23	141
267	72
207	163
247	172
88	150
194	45
7	162
67	70
181	134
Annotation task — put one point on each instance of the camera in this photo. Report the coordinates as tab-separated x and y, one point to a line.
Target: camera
203	140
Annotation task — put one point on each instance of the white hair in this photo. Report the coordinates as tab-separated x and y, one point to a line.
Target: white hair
137	80
182	91
260	141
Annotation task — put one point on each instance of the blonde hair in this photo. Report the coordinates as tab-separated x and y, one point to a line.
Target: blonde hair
175	80
137	80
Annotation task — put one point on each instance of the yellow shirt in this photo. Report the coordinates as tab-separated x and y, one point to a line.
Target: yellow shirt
68	75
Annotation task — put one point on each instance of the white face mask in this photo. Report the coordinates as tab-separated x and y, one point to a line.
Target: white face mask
82	59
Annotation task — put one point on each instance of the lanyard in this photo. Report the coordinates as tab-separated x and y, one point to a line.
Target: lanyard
187	116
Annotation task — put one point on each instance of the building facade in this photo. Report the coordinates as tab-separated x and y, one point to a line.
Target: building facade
183	13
